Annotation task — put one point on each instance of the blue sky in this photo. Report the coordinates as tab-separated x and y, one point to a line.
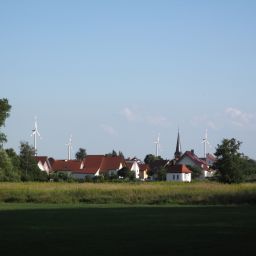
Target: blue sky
114	74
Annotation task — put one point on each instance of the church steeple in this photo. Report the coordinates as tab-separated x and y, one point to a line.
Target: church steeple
178	152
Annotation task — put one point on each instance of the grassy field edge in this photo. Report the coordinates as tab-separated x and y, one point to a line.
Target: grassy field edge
160	193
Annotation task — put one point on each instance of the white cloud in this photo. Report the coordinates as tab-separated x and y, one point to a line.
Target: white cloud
133	114
239	118
109	129
204	121
129	114
157	120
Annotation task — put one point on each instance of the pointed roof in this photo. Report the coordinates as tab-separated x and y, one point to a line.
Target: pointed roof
178	153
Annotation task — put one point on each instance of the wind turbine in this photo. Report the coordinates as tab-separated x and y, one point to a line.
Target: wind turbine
35	133
69	144
157	142
206	142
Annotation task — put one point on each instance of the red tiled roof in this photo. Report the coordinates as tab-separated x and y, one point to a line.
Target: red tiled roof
41	159
66	165
143	167
199	162
112	163
178	169
129	164
92	164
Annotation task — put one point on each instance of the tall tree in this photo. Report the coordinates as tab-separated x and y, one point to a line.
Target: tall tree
28	165
81	154
229	161
5	109
120	153
113	153
8	172
149	159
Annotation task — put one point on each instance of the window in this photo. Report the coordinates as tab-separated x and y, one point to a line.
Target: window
178	177
173	177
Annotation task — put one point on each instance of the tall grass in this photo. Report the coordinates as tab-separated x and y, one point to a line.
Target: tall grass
141	193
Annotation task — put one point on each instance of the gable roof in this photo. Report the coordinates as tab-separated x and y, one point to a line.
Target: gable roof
181	168
195	159
92	164
66	165
44	160
111	163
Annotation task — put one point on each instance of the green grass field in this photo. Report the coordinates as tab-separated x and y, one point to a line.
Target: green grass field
153	193
79	229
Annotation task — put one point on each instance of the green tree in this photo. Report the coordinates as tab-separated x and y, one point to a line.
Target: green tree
161	174
120	153
113	153
196	172
5	109
229	163
149	159
126	173
7	171
14	157
28	165
81	154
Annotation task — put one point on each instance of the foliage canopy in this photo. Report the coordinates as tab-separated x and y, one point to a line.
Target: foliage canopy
229	161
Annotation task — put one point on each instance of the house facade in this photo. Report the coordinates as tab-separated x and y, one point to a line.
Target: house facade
178	173
43	164
91	166
189	158
144	168
133	165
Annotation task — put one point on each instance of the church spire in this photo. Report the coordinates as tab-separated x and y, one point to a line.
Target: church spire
178	152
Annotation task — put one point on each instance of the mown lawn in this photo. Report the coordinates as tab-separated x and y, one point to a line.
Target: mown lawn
79	229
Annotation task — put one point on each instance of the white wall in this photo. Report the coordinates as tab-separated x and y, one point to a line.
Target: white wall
180	177
43	167
136	169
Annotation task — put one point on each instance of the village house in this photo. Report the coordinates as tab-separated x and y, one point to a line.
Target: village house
133	166
91	166
68	167
44	164
189	158
144	168
179	173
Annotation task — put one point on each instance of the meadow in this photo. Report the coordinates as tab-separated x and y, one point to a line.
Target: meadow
151	193
160	218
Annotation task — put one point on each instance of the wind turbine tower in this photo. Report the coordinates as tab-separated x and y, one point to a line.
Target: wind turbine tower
205	142
69	144
35	133
157	142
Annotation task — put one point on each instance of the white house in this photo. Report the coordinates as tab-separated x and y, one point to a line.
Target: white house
189	158
91	166
179	173
134	167
44	164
